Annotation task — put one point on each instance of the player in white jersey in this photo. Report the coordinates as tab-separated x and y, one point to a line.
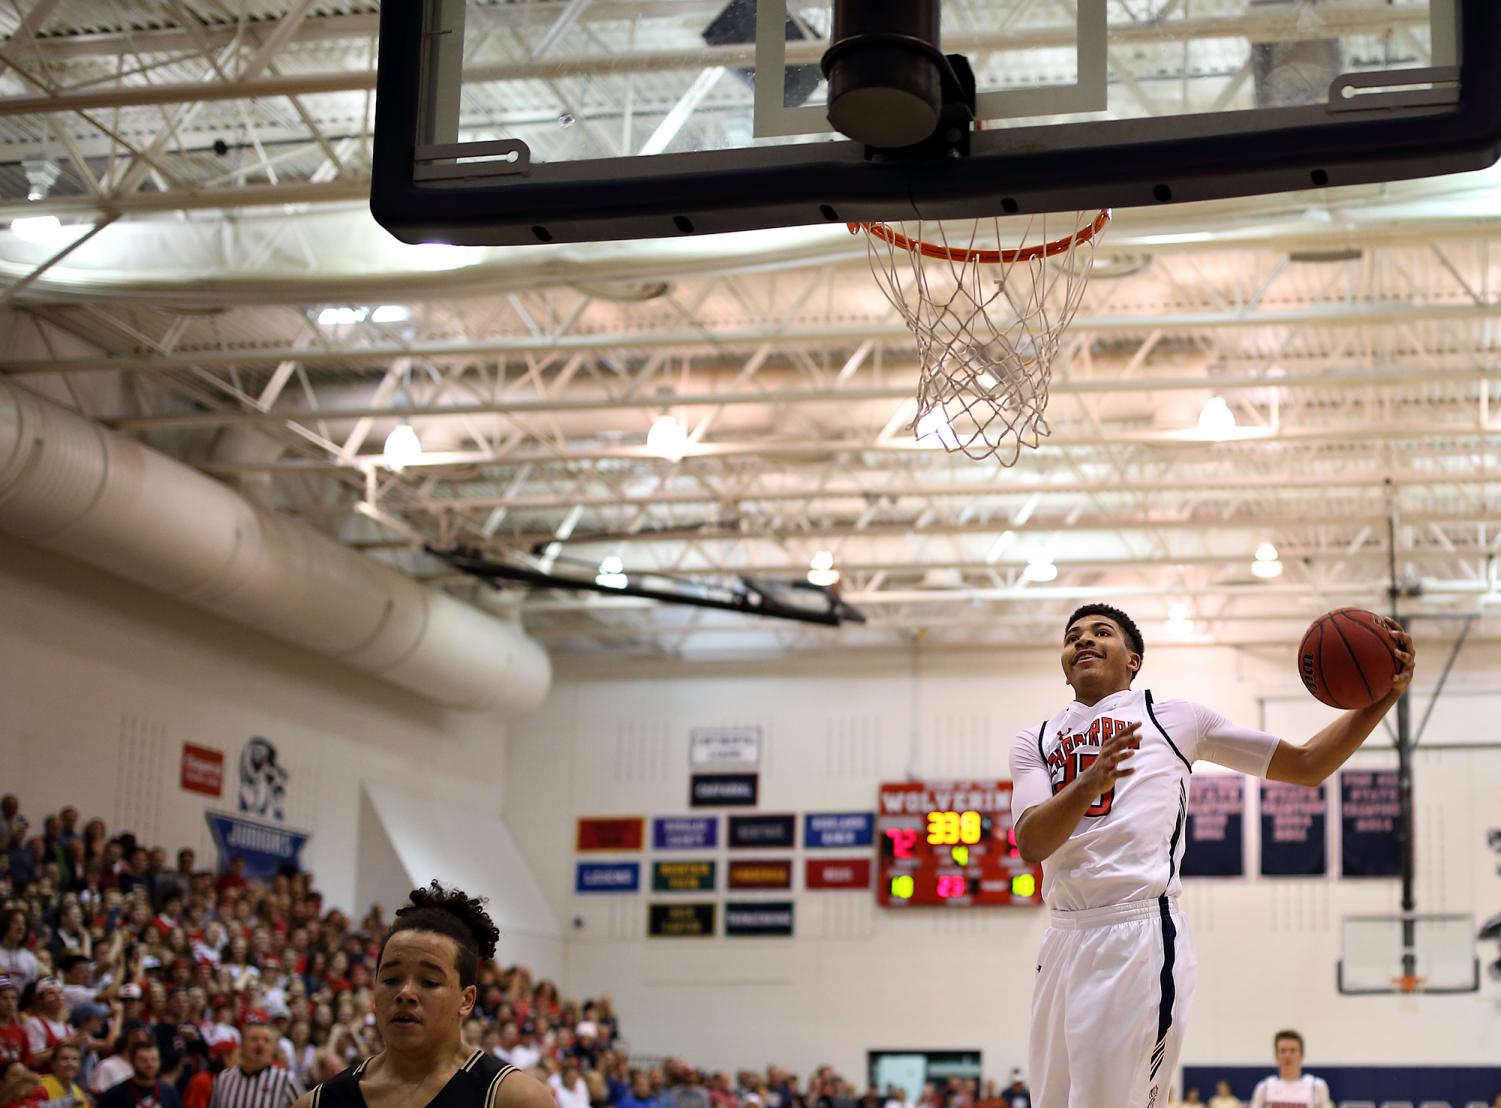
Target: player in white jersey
1100	798
1291	1088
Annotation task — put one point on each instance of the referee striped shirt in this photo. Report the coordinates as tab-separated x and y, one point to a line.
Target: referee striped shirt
268	1087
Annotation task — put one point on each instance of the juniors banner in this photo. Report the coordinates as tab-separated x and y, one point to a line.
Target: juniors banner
1369	811
1294	830
1216	830
266	847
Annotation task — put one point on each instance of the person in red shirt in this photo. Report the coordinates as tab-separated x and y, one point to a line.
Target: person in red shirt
13	1044
234	876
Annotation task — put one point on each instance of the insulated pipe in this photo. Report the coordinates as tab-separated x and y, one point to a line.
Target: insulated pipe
70	486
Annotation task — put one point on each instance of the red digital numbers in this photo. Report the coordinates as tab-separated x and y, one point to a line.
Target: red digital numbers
903	841
951	885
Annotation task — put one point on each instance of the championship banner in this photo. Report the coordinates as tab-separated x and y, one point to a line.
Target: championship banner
680	921
761	918
682	877
839	829
1216	832
837	873
1294	830
684	832
609	834
763	831
728	748
1369	812
267	848
761	873
607	877
723	790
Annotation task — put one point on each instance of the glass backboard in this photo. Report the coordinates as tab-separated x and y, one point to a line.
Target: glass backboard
566	120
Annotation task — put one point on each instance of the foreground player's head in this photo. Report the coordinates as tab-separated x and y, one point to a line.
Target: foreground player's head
424	983
1102	651
1289	1047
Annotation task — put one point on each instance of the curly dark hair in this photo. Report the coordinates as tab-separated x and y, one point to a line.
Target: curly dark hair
459	916
1122	620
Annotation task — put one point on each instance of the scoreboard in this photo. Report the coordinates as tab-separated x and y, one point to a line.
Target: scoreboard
950	844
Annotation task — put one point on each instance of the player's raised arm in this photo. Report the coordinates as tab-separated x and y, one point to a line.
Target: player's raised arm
1045	827
1313	762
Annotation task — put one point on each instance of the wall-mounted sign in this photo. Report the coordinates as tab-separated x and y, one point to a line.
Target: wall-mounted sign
1294	830
758	917
202	770
610	834
680	921
267	848
724	747
1216	834
263	781
607	877
684	832
683	877
761	873
837	873
723	790
762	831
839	829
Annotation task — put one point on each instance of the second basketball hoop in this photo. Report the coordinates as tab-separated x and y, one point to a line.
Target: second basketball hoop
987	313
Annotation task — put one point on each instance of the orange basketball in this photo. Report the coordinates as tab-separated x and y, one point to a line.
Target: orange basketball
1348	658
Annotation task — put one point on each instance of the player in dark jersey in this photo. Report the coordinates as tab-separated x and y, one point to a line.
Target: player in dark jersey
424	989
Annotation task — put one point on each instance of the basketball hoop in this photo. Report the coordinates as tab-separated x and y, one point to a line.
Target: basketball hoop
986	347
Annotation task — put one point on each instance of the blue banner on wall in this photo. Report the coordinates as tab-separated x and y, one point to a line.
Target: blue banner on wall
266	847
684	832
1216	834
607	877
839	829
1294	830
1369	811
1430	1086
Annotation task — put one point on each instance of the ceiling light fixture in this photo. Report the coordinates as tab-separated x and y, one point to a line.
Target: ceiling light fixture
668	438
1266	566
1040	568
612	573
41	229
391	313
403	447
936	425
821	571
1217	421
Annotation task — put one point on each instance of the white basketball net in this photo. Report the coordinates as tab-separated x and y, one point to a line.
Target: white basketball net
987	311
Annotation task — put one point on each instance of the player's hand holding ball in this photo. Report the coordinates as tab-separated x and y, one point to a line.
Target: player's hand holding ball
1352	658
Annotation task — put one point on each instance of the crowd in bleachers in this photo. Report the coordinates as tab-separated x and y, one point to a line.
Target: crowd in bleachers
110	947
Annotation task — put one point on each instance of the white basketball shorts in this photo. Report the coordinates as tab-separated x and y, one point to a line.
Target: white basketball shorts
1114	986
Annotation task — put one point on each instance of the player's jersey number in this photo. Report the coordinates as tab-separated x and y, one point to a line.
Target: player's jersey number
1075	764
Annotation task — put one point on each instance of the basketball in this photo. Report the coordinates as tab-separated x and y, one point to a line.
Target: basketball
1347	658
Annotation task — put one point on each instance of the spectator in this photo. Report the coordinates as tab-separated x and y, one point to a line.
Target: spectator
48	1029
61	1085
19	1086
1015	1094
10	807
568	1087
16	962
641	1093
233	877
1223	1097
14	1046
117	1068
1192	1097
144	1084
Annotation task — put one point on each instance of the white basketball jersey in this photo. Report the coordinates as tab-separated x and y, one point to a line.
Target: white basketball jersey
1130	842
1307	1091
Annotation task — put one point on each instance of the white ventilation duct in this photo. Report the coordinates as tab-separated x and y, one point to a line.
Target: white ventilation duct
73	487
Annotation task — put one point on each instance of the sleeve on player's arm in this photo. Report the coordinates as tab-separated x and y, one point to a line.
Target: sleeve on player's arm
1231	746
1030	782
1258	1095
1321	1097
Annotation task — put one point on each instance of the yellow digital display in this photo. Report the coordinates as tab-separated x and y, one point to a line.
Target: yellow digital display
953	828
901	887
1024	884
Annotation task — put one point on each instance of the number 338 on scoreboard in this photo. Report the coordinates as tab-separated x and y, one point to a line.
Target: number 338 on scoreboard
950	844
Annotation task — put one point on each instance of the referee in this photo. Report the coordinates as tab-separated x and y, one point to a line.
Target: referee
255	1082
